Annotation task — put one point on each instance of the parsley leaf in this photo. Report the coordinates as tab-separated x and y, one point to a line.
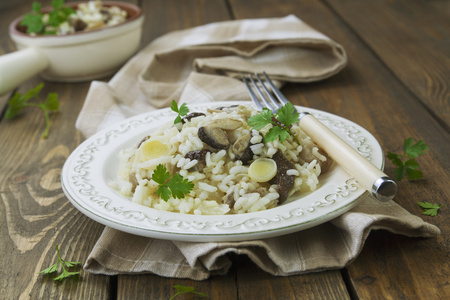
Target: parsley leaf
64	264
281	122
429	208
406	163
181	289
177	186
19	102
39	23
182	111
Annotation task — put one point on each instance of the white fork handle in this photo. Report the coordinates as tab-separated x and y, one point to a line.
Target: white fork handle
367	175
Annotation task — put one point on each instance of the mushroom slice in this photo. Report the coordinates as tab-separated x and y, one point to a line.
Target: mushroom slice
283	181
226	124
241	149
190	116
262	169
214	137
200	156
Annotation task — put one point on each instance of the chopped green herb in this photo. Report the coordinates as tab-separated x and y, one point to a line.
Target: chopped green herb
181	289
281	122
177	186
64	264
19	102
181	111
429	209
406	163
40	23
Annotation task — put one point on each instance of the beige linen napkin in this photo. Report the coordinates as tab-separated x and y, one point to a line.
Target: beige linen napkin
200	65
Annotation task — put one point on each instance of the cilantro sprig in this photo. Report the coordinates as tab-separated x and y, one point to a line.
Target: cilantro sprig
19	102
64	264
181	111
282	122
406	163
175	186
181	289
429	209
40	23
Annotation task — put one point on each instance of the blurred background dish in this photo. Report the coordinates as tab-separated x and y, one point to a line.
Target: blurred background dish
73	57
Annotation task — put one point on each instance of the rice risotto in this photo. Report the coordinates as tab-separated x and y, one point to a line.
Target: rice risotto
226	177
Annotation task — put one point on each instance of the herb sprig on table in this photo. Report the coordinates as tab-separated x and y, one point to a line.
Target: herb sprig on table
281	121
39	23
406	162
429	209
181	289
177	186
19	102
65	264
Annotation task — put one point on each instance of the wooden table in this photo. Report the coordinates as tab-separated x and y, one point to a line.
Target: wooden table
396	85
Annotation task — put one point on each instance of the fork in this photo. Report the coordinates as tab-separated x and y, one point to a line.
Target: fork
367	175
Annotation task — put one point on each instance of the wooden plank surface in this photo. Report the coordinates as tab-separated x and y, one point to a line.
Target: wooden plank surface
392	90
412	39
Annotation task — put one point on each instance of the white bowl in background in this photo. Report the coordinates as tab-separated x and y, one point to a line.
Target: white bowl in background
79	56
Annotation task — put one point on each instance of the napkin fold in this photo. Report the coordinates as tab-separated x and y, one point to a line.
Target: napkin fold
204	64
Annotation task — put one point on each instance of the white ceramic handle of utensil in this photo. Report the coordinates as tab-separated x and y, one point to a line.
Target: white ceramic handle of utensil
367	175
17	67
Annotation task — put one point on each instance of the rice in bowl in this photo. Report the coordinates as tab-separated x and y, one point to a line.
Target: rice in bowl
225	170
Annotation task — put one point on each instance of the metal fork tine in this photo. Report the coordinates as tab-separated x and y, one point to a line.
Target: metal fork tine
256	100
268	94
252	95
276	91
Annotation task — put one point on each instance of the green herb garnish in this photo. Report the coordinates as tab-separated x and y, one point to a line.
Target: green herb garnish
177	186
181	289
19	102
429	209
181	111
46	24
406	163
281	121
64	264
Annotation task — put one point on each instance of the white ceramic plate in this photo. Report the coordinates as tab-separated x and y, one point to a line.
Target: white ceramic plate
93	164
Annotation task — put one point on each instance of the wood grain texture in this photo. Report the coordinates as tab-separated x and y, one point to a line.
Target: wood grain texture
411	38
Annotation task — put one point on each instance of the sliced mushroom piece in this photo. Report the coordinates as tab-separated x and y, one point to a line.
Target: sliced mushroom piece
241	149
214	137
226	124
190	116
214	134
230	200
284	182
132	179
199	155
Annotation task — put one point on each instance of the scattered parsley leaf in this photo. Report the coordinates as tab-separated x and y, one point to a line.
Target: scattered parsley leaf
177	186
429	208
38	23
19	102
49	270
181	289
64	264
182	111
281	122
406	163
